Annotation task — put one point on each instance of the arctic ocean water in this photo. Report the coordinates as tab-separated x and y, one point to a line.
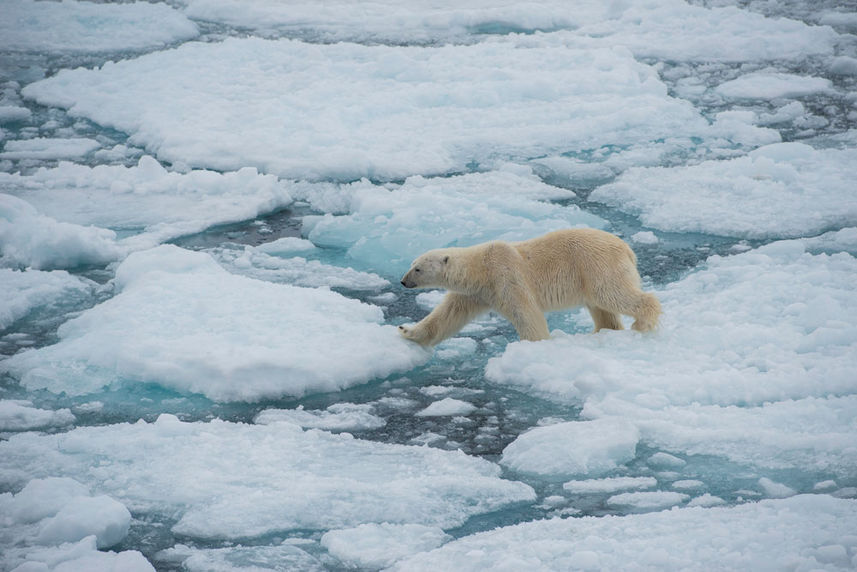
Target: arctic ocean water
205	209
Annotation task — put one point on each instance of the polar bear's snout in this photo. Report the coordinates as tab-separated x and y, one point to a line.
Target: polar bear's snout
408	282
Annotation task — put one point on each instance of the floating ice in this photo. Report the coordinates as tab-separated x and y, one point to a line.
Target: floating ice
771	85
346	111
13	113
573	448
30	239
181	321
650	500
45	148
609	485
803	532
19	415
71	26
775	490
241	559
245	481
388	227
782	190
255	263
447	407
25	291
146	201
381	545
764	339
56	520
337	417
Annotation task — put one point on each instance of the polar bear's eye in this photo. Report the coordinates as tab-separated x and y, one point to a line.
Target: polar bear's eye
416	270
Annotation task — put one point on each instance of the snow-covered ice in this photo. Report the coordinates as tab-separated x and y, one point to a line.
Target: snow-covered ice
243	481
447	407
25	291
781	190
345	111
337	417
72	26
44	148
804	533
183	322
380	545
18	415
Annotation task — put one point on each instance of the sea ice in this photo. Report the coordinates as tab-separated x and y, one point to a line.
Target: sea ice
85	27
145	202
19	415
181	321
777	191
804	533
30	239
649	500
609	485
771	85
256	263
351	111
56	520
387	228
337	417
573	448
25	291
241	559
243	481
46	148
776	355
380	545
447	407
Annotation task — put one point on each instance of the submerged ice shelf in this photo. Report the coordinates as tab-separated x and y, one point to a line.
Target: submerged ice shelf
205	210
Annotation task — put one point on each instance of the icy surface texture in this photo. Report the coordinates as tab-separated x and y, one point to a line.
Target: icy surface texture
17	415
243	481
804	533
345	111
181	321
55	523
782	190
761	339
24	291
71	26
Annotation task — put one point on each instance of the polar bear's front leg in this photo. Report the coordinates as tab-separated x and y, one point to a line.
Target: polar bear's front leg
452	314
518	305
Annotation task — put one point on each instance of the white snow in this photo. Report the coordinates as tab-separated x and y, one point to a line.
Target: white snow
241	558
20	415
57	521
447	407
25	291
775	490
803	533
771	85
46	148
255	263
33	240
243	481
381	545
337	417
609	485
146	201
763	340
82	27
345	111
13	113
573	448
183	322
649	500
781	190
387	228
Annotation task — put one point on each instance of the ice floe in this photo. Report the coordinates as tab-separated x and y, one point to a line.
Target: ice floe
386	228
145	203
337	417
381	545
771	85
56	524
20	415
243	481
764	339
181	321
344	111
805	532
47	148
781	190
26	291
83	27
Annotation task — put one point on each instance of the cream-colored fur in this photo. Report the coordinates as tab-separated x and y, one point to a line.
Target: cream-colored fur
523	280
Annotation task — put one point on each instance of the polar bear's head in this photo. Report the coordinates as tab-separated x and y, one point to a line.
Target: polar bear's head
428	270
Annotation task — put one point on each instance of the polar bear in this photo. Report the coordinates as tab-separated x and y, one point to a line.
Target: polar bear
523	280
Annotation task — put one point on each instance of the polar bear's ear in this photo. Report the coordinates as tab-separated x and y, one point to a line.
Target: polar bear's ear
446	259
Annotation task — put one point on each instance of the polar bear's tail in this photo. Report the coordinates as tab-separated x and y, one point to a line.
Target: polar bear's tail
646	313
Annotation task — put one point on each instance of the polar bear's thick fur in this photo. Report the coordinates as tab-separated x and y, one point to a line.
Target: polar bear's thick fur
523	280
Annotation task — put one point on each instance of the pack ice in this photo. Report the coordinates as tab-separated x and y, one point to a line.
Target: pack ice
181	321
